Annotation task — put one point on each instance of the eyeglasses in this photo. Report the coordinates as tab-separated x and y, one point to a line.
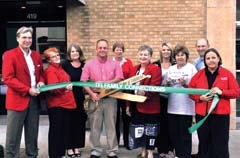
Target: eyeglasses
54	56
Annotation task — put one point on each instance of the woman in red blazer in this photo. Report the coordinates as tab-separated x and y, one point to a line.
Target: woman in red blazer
60	102
145	118
126	65
214	133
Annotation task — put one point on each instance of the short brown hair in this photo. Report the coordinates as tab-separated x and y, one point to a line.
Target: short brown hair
181	48
118	45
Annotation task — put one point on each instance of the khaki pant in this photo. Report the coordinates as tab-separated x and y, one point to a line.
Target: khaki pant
105	113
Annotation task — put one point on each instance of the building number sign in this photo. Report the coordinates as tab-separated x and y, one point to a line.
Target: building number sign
32	16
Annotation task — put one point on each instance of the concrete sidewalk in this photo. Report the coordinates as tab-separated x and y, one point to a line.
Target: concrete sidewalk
234	144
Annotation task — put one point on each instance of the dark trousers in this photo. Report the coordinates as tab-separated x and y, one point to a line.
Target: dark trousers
56	134
75	128
213	136
164	144
179	135
16	120
1	151
121	111
148	126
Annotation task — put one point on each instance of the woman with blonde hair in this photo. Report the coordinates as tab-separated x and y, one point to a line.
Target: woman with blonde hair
164	145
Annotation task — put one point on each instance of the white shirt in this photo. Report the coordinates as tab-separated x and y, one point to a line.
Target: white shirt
121	62
180	103
31	67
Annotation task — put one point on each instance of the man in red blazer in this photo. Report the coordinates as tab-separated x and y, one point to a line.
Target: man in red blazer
22	72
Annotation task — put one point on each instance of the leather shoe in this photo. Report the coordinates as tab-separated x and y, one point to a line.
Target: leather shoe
140	156
71	155
94	156
115	156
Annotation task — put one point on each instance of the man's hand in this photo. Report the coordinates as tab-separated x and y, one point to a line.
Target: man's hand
69	87
94	97
33	91
39	84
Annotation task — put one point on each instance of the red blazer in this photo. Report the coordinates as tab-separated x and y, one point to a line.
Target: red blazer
152	104
16	76
225	81
126	68
58	97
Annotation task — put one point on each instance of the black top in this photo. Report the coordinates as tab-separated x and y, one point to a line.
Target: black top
75	75
211	77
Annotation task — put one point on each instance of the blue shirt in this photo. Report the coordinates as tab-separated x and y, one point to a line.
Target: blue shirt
199	63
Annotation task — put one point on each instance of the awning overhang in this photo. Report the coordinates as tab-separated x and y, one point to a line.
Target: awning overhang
82	1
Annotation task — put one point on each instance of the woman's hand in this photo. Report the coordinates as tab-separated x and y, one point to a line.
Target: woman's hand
206	97
216	90
168	81
182	81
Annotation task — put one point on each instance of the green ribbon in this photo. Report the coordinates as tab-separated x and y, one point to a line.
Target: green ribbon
125	87
139	87
199	123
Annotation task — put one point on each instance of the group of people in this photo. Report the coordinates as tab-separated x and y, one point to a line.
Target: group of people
161	121
23	74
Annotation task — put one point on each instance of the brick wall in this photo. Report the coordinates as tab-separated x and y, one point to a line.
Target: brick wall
136	22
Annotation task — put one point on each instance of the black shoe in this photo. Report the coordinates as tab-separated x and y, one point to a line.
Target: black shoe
115	156
1	151
71	155
77	154
94	156
127	147
194	156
